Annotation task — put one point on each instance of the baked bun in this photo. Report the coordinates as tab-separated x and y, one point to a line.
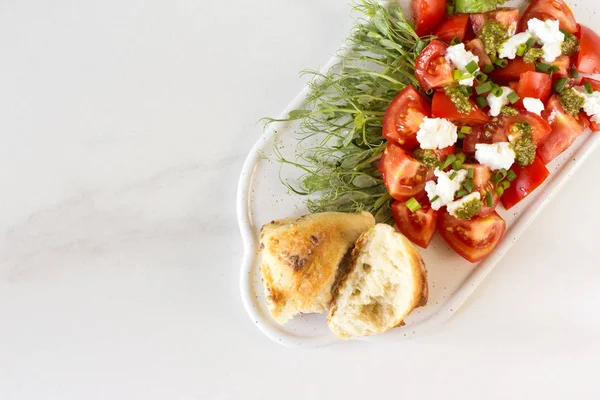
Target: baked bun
301	257
386	280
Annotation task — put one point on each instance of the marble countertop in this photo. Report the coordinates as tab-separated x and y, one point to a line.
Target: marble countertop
124	129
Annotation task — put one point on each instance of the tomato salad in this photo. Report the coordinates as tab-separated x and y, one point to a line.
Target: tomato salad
500	96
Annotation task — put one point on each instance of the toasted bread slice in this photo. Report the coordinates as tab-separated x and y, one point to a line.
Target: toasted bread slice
301	258
386	280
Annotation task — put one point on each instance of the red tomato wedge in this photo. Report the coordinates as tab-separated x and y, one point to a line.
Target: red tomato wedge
492	132
550	9
474	239
476	47
419	226
427	14
588	59
432	70
403	117
563	63
540	129
534	84
403	176
565	129
455	26
482	179
527	180
509	17
443	107
513	71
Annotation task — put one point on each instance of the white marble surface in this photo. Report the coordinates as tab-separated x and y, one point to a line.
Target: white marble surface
123	130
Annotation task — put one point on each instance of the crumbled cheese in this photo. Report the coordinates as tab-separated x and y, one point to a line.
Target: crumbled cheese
454	206
509	48
533	105
548	34
445	188
496	103
592	103
459	57
437	133
496	155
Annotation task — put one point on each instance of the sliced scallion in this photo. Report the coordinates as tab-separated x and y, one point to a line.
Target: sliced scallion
461	156
457	166
505	184
543	67
484	88
513	97
499	190
466	130
472	66
560	84
521	49
510	175
434	199
497	91
588	87
574	73
468	185
481	101
413	205
481	77
449	160
531	42
453	175
489	200
461	193
470	173
488	68
501	62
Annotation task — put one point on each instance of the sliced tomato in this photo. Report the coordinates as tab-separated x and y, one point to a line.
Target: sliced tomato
565	129
427	14
419	226
564	64
534	84
455	26
476	47
527	180
482	179
403	117
550	9
512	72
474	239
509	17
588	59
432	70
540	129
443	107
403	176
491	132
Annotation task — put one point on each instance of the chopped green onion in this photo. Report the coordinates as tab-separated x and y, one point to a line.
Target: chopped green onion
413	205
488	68
456	75
503	172
499	190
505	184
468	185
450	10
588	87
466	90
461	193
499	175
481	101
457	165
497	91
501	62
466	130
481	77
513	97
455	40
472	66
453	175
531	42
460	135
434	199
461	157
449	160
510	176
574	73
429	91
470	173
560	84
493	58
521	49
543	67
489	199
484	88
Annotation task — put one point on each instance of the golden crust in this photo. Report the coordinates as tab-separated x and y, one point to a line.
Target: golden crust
301	257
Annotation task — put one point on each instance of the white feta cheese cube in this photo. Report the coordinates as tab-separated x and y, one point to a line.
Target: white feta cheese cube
459	57
456	205
592	103
496	155
496	103
533	105
443	191
437	133
548	34
509	48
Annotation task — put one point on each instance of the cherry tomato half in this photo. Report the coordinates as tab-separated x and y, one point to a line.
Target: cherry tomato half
527	180
432	70
588	59
403	176
454	27
550	9
419	226
403	117
427	14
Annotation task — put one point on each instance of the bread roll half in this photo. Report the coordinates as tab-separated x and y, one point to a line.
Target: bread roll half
301	258
385	282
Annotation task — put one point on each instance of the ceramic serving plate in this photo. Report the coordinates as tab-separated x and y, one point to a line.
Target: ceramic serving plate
261	198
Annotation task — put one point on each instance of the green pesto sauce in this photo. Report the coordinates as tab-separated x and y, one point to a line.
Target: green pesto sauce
493	35
509	111
572	101
532	55
571	45
460	100
427	157
522	143
469	209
